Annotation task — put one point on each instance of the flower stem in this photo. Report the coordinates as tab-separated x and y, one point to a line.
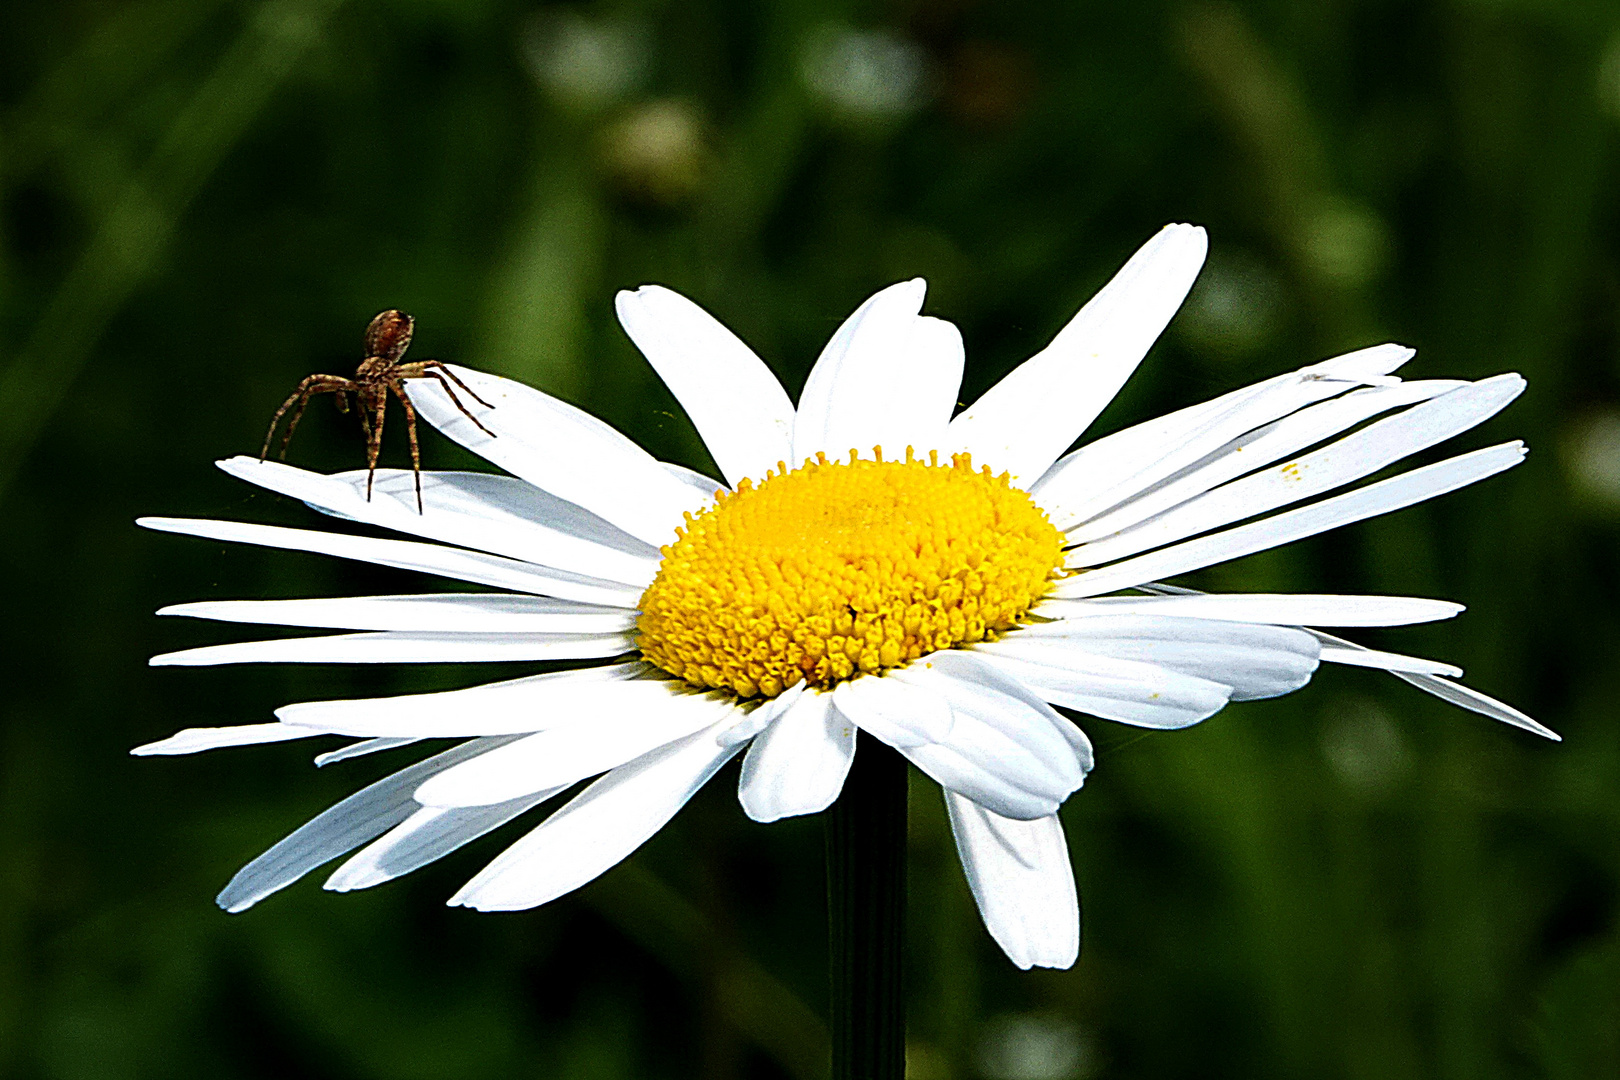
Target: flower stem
866	904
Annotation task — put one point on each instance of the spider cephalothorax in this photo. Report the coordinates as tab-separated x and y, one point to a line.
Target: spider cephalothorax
378	375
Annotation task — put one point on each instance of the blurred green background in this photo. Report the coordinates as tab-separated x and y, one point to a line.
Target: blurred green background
204	200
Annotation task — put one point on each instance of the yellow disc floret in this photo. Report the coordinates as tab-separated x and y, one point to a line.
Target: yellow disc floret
840	568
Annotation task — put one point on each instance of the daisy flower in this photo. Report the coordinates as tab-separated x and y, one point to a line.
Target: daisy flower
953	586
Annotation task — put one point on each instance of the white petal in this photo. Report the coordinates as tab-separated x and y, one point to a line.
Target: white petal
1380	498
900	714
739	408
1256	660
1474	701
1387	661
563	450
363	816
1351	458
360	749
474	566
516	706
1450	692
977	688
1126	691
756	721
1024	422
576	746
429	834
484	613
896	396
798	764
964	771
484	511
704	487
599	827
1281	609
415	647
191	740
987	754
1021	879
1074	498
1258	448
924	382
836	407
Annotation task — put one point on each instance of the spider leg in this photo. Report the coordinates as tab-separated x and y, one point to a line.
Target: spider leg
376	395
423	366
398	387
450	390
308	388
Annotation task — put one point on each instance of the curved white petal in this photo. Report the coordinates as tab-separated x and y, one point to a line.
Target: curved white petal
195	739
1351	458
895	395
1375	499
563	450
493	570
761	717
577	746
921	388
360	749
599	827
797	765
1388	661
360	818
739	408
1075	492
976	688
445	613
1006	751
703	486
966	767
836	406
1256	449
899	713
1257	660
483	511
1021	879
1282	609
1024	422
513	707
391	647
1117	467
1126	691
1449	692
429	834
1467	697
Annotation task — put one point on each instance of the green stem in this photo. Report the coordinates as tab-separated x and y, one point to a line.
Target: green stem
866	904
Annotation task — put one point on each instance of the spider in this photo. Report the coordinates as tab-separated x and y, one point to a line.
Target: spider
378	374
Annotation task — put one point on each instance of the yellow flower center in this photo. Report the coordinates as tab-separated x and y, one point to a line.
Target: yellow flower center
840	568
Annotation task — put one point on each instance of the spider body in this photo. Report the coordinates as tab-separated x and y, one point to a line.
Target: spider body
380	374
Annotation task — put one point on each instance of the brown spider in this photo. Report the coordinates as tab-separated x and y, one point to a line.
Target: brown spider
378	374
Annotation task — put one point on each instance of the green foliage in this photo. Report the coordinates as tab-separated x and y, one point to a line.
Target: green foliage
202	201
